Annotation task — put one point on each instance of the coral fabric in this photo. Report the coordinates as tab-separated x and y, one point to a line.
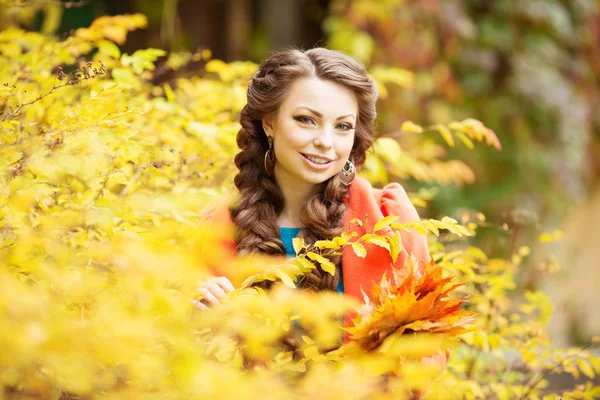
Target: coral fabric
371	205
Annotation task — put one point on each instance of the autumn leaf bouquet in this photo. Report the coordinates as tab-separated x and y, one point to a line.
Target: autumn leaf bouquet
410	302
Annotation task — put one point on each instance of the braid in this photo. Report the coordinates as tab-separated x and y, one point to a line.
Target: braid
260	200
323	216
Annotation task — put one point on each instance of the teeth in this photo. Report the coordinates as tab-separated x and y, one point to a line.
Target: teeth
317	160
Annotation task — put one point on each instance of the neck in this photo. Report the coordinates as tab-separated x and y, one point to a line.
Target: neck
295	194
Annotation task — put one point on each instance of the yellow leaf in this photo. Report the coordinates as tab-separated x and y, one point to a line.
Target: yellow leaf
7	125
396	246
388	149
307	340
384	222
326	265
404	227
359	250
419	227
494	341
571	369
379	241
311	352
326	244
109	48
303	264
429	225
446	134
551	237
465	139
409	126
298	243
285	278
586	368
524	251
169	93
356	221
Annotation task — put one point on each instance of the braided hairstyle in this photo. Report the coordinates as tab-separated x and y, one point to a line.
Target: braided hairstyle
260	199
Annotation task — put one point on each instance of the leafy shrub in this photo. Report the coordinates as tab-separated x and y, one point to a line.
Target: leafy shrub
104	179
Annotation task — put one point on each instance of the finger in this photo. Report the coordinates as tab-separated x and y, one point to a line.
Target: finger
213	288
224	283
208	296
199	304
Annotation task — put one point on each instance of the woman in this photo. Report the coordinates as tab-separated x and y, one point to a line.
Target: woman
305	130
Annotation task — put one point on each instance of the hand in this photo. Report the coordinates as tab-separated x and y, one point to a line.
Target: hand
439	360
213	290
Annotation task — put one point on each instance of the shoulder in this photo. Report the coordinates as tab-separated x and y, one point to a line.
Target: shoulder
392	199
366	202
218	210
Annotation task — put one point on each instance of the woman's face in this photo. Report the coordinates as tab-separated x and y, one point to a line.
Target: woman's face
313	131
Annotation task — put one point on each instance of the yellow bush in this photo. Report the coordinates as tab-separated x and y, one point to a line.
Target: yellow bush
103	180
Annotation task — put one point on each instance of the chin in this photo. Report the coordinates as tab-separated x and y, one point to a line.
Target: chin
317	180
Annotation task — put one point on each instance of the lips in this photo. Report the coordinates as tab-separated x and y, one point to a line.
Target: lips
317	159
316	162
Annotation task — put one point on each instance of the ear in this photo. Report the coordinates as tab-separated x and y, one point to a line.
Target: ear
267	124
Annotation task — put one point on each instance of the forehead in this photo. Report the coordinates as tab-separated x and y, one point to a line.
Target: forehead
327	97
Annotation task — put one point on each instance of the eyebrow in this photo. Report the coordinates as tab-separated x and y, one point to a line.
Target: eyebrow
318	114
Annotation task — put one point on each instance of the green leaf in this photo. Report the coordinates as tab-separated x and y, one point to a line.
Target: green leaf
384	222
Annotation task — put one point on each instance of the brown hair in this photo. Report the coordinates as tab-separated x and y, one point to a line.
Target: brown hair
261	201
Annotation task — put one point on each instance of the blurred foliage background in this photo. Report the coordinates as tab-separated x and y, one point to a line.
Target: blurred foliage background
530	70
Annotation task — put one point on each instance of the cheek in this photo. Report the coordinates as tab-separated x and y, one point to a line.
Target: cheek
290	135
345	146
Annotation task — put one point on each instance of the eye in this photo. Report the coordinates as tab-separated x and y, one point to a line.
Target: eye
304	119
346	127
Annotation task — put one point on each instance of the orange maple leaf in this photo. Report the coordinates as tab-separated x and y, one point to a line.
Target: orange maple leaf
409	302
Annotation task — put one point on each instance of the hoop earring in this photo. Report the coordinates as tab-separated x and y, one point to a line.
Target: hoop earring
348	173
270	158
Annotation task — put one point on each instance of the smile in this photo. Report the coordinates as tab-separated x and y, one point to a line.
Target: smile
315	162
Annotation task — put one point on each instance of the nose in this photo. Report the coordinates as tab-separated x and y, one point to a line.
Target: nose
324	138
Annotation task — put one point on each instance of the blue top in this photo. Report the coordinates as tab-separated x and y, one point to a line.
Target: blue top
287	235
